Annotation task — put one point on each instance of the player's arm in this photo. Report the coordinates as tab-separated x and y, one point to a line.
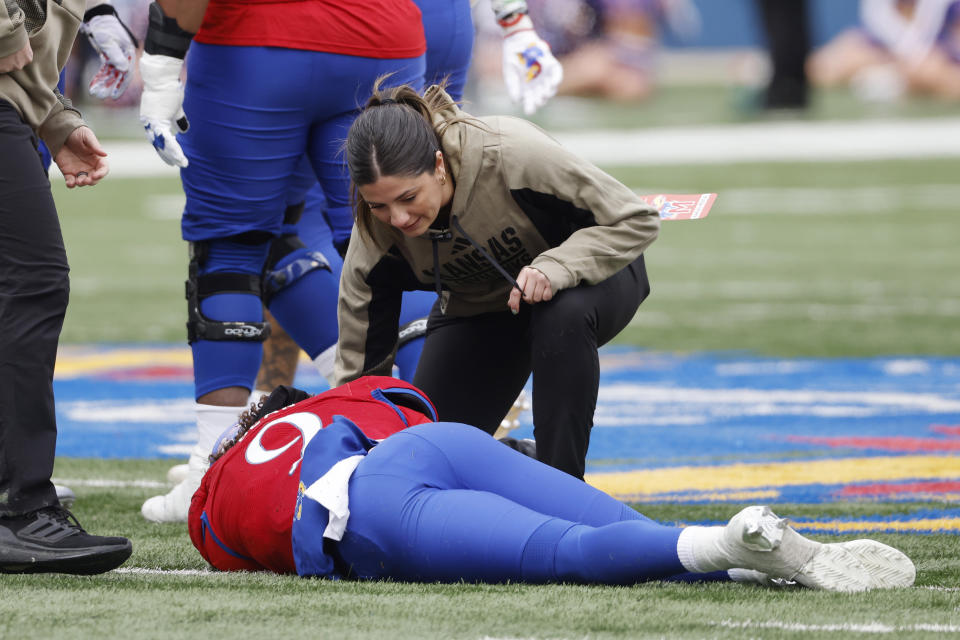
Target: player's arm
161	105
116	46
530	71
189	13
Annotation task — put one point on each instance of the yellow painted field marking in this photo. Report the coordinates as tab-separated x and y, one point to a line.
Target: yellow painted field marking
72	363
846	526
634	485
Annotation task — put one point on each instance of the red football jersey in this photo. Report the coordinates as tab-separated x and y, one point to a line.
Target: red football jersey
241	516
383	29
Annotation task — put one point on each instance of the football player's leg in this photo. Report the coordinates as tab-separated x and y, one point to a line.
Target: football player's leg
233	193
759	540
565	334
226	328
448	27
408	521
474	461
305	218
301	282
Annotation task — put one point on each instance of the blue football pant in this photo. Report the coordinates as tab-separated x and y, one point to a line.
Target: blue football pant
253	118
448	27
446	502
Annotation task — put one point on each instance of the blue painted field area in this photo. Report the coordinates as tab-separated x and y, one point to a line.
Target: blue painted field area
678	427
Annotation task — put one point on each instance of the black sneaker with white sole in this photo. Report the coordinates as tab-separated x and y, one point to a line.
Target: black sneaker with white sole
51	540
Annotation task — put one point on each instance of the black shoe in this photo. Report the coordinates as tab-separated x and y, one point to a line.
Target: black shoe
51	540
526	446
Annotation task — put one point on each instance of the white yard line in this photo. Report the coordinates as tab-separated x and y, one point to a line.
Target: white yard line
106	483
794	141
844	627
143	571
770	142
834	201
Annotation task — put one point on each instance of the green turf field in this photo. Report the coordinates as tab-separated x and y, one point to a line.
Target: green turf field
143	604
796	259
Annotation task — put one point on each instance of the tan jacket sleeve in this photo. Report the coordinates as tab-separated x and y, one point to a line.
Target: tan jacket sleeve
13	34
58	126
32	90
353	316
626	225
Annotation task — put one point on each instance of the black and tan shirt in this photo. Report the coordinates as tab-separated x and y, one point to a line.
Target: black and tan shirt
523	198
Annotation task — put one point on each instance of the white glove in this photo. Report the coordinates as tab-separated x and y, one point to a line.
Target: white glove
530	71
116	45
161	106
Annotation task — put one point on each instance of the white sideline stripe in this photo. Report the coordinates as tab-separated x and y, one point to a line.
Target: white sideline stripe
770	142
111	484
925	402
873	627
835	201
144	571
705	144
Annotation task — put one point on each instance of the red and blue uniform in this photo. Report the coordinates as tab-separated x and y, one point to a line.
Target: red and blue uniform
436	501
242	514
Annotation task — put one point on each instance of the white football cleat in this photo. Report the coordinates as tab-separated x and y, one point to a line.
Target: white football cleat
749	576
178	473
758	539
175	506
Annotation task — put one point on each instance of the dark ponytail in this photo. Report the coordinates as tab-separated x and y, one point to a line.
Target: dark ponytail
395	135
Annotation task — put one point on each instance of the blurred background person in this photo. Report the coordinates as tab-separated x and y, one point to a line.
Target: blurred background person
899	47
608	48
785	25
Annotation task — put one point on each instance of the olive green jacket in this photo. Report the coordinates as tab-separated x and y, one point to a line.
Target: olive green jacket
519	195
51	27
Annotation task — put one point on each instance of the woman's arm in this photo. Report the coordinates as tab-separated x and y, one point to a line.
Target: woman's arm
368	313
625	225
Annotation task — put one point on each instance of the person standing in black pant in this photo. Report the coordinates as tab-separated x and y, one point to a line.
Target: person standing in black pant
787	31
36	533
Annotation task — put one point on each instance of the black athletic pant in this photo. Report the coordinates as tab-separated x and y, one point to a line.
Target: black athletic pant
34	288
474	367
787	31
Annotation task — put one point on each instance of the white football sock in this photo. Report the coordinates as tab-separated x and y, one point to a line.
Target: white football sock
175	505
693	549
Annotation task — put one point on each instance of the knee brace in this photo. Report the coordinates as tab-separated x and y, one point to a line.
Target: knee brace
276	277
411	331
199	287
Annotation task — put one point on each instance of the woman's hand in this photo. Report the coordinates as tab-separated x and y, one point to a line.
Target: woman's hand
81	159
535	286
